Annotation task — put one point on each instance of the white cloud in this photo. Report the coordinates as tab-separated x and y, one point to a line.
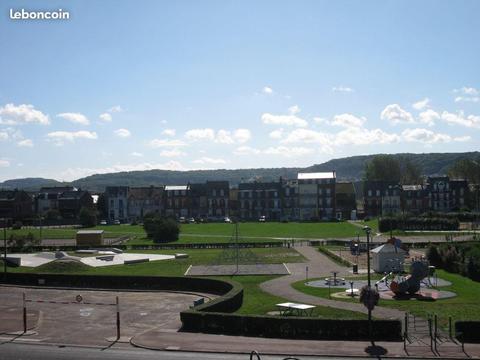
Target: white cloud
348	120
172	153
224	137
290	120
426	136
343	89
59	137
242	135
76	118
395	114
428	117
468	94
276	134
288	151
471	121
4	135
267	90
4	163
105	117
25	143
210	161
123	133
22	114
361	136
307	136
200	134
246	150
136	154
422	104
295	109
157	143
169	132
115	109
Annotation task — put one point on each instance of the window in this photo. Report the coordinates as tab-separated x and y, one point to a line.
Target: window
369	192
378	192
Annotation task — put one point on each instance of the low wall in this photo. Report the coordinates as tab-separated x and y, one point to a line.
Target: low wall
289	327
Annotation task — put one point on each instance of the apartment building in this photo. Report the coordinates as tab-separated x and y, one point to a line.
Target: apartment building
316	195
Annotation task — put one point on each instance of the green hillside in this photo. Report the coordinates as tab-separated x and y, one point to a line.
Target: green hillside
349	168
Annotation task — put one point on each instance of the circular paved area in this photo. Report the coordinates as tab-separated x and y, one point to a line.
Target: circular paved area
90	324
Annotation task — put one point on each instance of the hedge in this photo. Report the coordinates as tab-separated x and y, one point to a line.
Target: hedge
417	223
334	257
468	331
289	327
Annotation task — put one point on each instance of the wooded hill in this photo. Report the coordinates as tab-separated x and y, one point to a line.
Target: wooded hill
349	168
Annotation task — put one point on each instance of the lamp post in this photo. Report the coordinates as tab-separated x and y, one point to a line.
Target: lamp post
368	231
5	248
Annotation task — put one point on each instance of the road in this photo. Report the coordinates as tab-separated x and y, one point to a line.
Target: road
13	351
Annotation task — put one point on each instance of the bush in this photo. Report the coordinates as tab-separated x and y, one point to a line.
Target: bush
87	217
17	225
161	230
23	241
461	258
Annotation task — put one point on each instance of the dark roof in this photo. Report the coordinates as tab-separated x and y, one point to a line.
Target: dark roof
260	186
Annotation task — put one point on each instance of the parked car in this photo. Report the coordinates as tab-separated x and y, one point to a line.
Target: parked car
262	218
182	220
191	220
226	219
116	222
103	222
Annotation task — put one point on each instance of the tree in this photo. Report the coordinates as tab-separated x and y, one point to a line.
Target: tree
468	169
383	168
160	229
411	173
87	217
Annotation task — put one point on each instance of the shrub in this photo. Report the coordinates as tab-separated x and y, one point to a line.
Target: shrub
17	225
87	217
160	229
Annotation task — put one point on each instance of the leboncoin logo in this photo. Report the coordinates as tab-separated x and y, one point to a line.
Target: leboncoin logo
39	15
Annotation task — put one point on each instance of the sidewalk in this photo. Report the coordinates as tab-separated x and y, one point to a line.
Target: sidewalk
196	342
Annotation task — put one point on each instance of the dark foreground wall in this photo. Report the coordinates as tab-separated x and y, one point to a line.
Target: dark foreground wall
468	331
289	327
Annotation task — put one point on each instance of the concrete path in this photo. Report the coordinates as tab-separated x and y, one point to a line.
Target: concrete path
319	265
196	342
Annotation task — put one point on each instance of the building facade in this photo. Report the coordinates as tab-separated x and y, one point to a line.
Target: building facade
316	195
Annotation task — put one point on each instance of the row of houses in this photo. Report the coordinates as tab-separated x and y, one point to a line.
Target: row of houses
310	196
437	194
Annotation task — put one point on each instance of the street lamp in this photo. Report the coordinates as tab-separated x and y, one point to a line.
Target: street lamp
4	223
368	230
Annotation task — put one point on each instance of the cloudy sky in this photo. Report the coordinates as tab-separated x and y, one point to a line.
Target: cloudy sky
133	85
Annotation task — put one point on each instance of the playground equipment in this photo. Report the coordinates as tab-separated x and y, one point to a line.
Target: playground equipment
411	284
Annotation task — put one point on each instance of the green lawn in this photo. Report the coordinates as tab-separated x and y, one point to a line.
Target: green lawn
214	232
464	306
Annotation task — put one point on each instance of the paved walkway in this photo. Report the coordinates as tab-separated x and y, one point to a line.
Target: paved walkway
319	265
162	340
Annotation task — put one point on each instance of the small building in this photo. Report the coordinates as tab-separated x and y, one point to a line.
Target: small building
90	237
387	258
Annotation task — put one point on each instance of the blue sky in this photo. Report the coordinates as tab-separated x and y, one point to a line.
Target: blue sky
133	85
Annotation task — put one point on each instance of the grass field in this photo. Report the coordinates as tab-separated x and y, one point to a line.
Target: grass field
213	232
464	306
